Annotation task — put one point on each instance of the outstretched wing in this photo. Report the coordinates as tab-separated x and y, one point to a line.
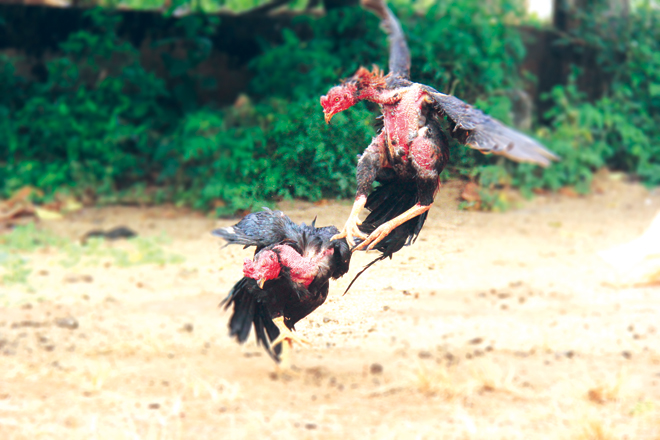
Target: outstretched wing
476	129
399	52
260	229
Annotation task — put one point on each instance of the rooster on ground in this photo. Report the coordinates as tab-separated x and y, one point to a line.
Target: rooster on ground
412	149
287	279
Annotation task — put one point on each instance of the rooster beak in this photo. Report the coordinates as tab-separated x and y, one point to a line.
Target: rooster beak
328	117
261	282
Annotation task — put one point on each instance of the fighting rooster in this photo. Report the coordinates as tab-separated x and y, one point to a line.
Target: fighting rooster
287	279
412	149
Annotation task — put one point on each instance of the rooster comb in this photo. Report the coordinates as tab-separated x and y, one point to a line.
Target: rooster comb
363	78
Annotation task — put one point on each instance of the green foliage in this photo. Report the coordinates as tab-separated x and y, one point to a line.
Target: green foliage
29	238
621	129
15	269
16	246
141	250
101	124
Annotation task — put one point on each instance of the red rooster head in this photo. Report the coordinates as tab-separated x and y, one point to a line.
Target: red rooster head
356	88
338	99
266	266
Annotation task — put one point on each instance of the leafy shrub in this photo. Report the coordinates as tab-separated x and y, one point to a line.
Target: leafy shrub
621	129
101	124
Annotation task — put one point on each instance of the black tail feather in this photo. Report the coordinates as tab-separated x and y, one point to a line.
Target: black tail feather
385	203
382	257
249	312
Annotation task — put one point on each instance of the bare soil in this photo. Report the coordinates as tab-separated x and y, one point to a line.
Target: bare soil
491	326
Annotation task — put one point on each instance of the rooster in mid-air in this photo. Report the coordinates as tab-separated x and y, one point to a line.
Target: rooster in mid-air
412	149
287	279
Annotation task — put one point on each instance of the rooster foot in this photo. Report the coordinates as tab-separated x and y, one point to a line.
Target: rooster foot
351	230
286	338
375	237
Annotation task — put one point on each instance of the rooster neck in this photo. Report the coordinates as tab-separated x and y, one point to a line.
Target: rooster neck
404	114
304	268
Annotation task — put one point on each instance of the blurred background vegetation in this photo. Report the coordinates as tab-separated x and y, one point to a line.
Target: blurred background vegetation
113	105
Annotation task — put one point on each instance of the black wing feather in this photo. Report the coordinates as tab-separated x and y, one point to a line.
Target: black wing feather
260	229
476	129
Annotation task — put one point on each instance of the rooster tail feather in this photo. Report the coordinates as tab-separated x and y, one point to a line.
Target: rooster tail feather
249	312
234	235
387	202
382	257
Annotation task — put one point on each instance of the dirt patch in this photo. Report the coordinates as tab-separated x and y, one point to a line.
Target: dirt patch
492	326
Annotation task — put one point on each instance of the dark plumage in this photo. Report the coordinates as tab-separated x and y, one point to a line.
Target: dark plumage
294	263
412	148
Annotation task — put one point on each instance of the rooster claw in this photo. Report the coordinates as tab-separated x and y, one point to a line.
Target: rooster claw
375	237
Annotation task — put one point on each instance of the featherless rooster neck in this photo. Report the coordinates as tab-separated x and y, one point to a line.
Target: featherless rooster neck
364	85
269	263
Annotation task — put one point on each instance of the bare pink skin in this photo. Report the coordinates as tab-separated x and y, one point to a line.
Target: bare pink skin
303	269
268	266
403	136
402	111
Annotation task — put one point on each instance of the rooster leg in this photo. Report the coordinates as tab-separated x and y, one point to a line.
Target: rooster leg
286	338
351	227
383	230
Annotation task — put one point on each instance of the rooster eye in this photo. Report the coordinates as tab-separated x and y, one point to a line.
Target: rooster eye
337	99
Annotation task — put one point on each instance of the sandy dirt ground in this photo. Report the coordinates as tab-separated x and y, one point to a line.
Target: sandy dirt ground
492	326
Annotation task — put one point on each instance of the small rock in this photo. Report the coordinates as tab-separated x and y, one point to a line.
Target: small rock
424	355
476	341
68	322
187	327
376	369
626	354
71	278
154	405
310	426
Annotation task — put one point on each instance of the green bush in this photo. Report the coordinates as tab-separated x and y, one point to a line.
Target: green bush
101	124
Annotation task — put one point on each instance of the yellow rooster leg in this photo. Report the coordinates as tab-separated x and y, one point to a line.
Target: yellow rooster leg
351	227
286	338
384	230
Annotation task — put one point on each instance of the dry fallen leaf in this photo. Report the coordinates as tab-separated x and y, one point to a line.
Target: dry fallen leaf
46	214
